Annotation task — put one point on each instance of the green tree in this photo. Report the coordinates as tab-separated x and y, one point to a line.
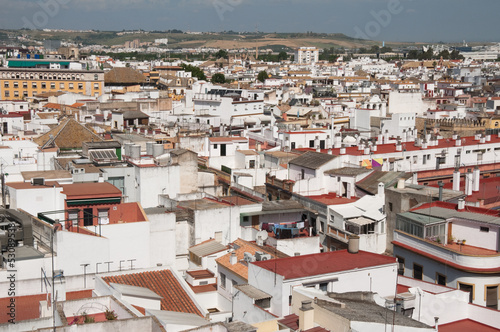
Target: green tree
445	54
195	71
385	49
413	54
282	56
221	54
218	78
375	49
262	76
455	55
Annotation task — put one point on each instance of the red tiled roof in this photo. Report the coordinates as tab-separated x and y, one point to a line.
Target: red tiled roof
227	139
452	206
444	261
28	307
466	325
290	321
163	283
332	199
204	288
140	309
99	189
304	132
409	146
327	262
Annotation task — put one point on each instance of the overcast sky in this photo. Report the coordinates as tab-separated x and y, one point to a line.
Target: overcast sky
390	20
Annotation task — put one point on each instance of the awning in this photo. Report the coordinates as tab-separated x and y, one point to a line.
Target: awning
361	221
76	202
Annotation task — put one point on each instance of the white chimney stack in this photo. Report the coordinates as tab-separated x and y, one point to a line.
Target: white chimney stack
476	178
456	179
233	259
468	183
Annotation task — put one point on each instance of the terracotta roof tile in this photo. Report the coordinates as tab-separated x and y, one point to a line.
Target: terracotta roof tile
241	267
327	262
163	283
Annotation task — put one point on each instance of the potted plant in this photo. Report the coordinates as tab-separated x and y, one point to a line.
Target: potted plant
110	314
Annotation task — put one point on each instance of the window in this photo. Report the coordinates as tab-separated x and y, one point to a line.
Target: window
233	284
96	86
80	86
252	163
16	85
467	288
103	216
223	280
491	296
73	218
293	145
223	150
401	265
215	146
302	174
25	85
16	93
323	286
96	77
70	85
440	279
61	85
52	85
263	303
6	84
311	143
25	93
88	217
44	85
33	85
418	271
484	229
7	94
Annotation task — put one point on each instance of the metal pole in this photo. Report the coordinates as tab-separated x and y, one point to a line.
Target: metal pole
53	279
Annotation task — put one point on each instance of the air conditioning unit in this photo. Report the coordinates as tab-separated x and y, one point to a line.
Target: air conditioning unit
260	256
248	257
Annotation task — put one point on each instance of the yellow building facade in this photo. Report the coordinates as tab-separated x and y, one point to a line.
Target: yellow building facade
21	83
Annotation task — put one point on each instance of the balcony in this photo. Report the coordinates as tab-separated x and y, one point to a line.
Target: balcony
458	256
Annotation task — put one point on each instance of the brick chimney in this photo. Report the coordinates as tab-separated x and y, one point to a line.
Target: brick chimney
306	316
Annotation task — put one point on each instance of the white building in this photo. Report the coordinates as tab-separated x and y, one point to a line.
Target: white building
306	55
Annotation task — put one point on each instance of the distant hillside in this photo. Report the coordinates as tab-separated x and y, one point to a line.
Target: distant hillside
275	41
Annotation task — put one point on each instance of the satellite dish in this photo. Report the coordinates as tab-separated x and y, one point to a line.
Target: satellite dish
263	235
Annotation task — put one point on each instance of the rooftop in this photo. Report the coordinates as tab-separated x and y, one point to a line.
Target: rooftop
323	263
312	160
91	189
163	283
360	306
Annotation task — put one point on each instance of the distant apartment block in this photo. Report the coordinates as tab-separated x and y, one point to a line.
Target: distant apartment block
26	78
306	55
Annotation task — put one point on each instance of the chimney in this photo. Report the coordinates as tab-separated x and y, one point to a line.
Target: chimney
306	316
488	138
353	245
458	141
476	178
424	144
468	183
401	183
482	139
233	259
461	204
342	150
399	147
374	147
441	185
330	151
456	179
367	149
380	190
318	149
